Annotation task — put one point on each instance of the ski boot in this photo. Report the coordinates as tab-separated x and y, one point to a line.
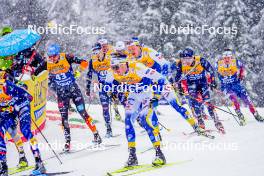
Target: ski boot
39	167
3	168
258	117
201	123
67	146
160	158
108	131
72	109
117	116
198	129
97	139
132	158
205	116
220	127
242	120
22	162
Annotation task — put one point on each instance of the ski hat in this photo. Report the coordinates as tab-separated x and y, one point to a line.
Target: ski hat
187	52
6	30
53	49
103	41
96	48
117	59
120	46
227	53
134	42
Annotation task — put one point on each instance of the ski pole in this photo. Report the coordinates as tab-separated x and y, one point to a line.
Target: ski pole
220	93
233	116
90	102
188	73
206	103
56	155
164	127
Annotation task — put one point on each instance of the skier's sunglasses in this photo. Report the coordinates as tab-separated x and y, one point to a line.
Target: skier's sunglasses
115	67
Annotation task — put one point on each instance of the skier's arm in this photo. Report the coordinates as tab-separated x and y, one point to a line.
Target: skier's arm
208	67
41	67
38	59
242	70
178	72
151	74
16	91
111	83
75	60
161	62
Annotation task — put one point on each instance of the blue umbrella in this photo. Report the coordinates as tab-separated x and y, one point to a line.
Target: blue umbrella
17	41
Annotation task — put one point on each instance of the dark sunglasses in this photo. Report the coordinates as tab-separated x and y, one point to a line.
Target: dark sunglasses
115	67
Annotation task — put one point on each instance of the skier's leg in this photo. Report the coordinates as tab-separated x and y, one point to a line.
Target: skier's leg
114	99
78	100
131	110
105	102
63	105
122	97
211	108
172	99
12	130
194	99
235	103
25	128
3	163
149	121
243	94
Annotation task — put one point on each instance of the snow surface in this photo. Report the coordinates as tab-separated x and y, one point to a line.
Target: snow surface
242	156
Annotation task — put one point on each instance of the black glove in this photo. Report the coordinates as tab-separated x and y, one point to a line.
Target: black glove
213	85
88	92
180	89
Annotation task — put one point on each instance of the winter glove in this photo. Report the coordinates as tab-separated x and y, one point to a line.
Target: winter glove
33	77
213	85
28	69
88	92
77	74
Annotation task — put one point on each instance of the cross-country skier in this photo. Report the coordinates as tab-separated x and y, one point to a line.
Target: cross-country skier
15	105
99	64
231	73
148	56
191	72
6	64
62	80
135	76
153	59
